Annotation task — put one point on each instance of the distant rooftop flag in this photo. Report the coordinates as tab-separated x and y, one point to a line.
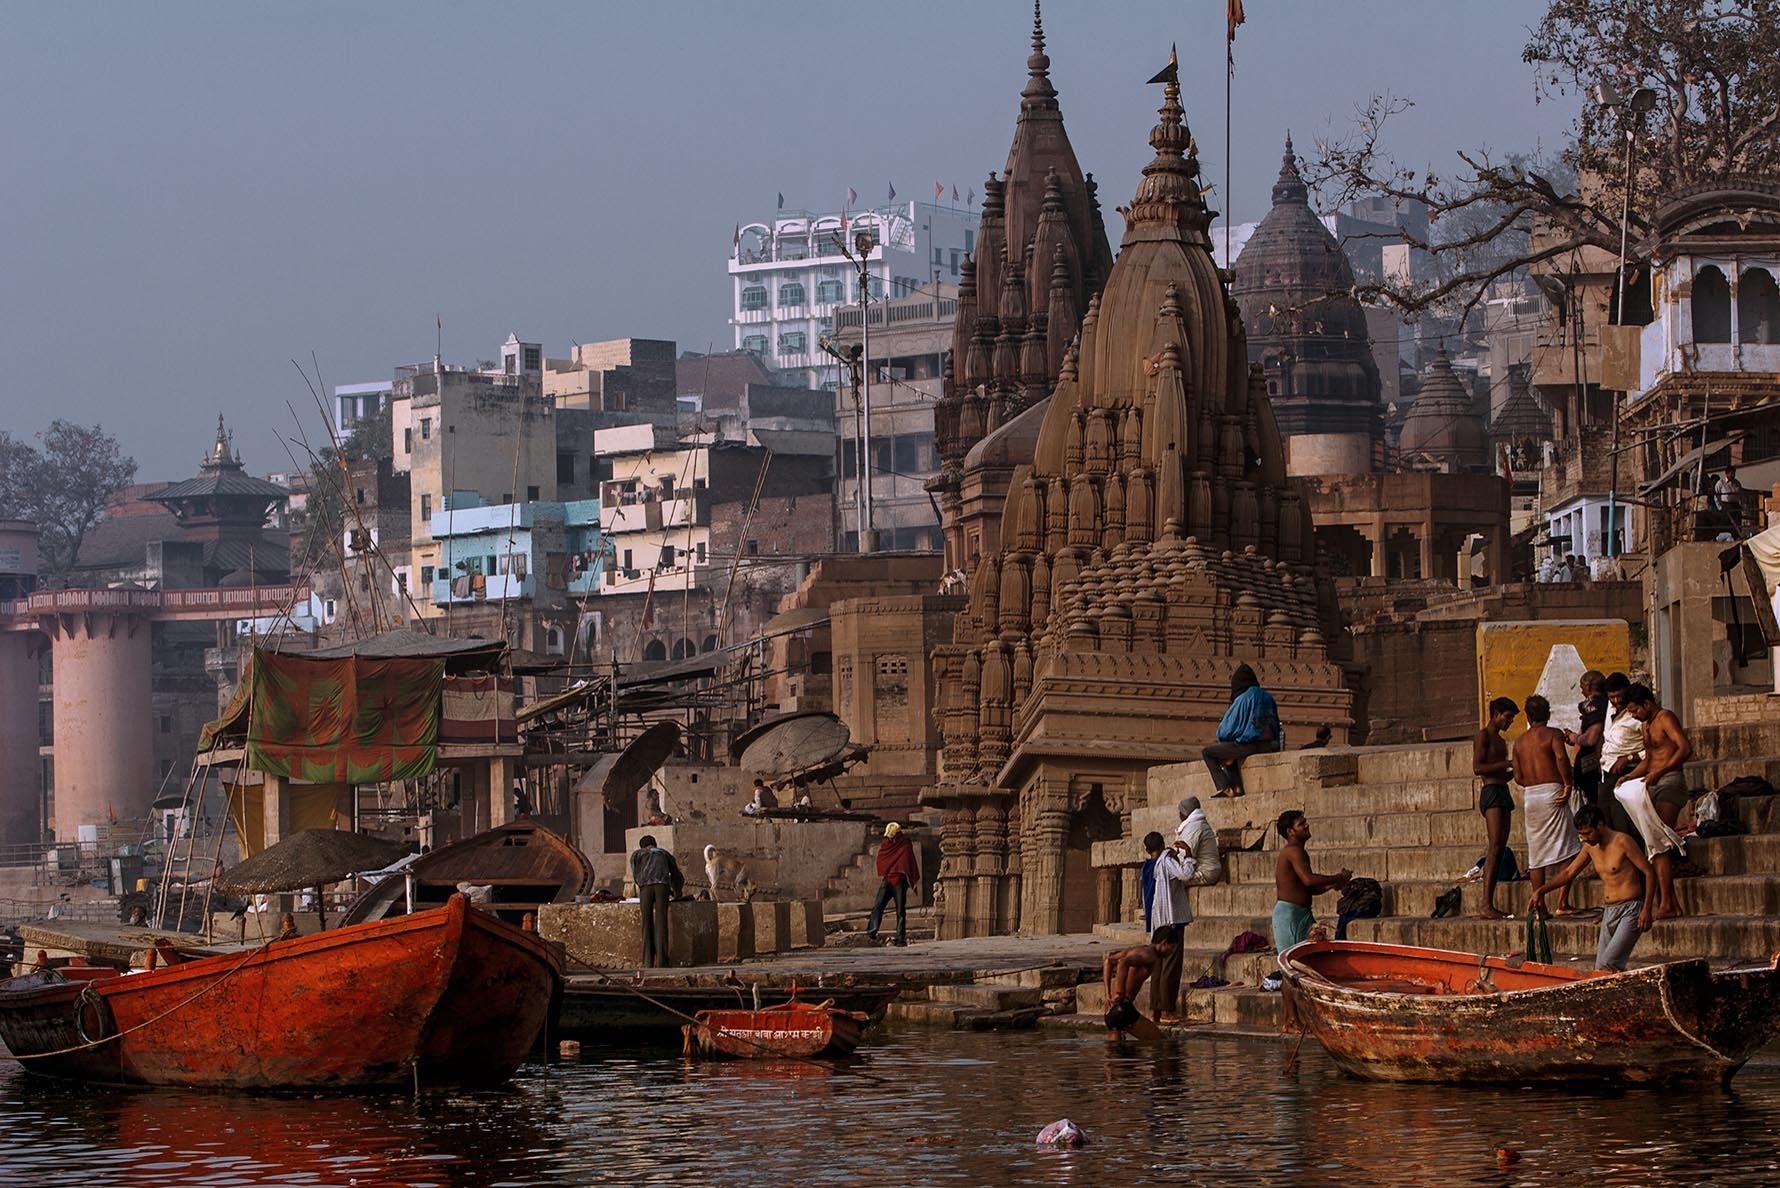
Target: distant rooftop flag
852	195
737	241
970	196
939	191
954	191
781	200
892	197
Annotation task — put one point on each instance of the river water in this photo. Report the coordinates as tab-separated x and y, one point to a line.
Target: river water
919	1106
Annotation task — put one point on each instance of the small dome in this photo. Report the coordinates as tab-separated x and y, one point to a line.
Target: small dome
1443	426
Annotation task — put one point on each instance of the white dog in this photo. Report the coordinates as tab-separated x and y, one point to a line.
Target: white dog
720	866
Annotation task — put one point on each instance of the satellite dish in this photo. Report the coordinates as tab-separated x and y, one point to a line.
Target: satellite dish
794	744
621	774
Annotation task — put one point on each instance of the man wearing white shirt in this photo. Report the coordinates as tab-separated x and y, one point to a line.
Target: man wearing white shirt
1622	746
1170	913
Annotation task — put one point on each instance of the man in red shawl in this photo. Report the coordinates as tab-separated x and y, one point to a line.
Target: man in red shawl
898	869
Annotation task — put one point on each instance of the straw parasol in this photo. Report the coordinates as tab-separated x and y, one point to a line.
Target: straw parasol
309	858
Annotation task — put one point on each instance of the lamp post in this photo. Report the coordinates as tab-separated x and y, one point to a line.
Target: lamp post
1631	113
853	361
861	259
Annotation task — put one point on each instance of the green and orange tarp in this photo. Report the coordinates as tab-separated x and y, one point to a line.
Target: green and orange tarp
349	719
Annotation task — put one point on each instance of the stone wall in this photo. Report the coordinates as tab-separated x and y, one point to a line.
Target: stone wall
785	859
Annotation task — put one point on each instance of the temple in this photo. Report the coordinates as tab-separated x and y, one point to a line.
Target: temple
1151	541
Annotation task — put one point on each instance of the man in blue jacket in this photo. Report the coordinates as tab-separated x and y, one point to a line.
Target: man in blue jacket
1250	726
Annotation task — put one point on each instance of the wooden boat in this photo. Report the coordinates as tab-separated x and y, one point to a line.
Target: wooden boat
451	995
594	1010
806	1029
1399	1013
523	864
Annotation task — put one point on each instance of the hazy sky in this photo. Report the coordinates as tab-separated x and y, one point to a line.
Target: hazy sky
194	194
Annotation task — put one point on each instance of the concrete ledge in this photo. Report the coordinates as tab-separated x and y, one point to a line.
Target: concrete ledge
610	935
772	925
735	932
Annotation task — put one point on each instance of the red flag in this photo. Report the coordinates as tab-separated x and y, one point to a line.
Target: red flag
649	602
1236	17
938	191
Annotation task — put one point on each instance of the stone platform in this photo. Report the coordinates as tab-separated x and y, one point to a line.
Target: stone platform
700	932
1406	816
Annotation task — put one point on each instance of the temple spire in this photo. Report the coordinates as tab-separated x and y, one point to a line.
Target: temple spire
1290	187
1039	92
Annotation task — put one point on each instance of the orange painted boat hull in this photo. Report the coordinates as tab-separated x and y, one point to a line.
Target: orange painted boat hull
448	996
1401	1013
790	1029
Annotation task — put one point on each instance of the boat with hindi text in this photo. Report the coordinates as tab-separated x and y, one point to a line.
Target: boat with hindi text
806	1029
1401	1013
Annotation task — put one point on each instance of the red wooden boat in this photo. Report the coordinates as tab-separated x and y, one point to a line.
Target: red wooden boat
447	996
788	1029
1399	1013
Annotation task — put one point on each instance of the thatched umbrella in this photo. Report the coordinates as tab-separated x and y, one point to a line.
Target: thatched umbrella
309	858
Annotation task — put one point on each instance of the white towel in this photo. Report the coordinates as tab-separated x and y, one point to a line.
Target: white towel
1658	837
1551	830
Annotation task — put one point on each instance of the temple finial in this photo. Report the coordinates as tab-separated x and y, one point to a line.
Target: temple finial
1039	92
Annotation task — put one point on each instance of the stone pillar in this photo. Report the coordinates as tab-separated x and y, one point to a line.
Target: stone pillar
103	720
1041	889
500	790
1381	557
275	810
19	820
1424	539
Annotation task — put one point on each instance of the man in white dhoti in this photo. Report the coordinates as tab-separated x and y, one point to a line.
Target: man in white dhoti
1655	791
1542	766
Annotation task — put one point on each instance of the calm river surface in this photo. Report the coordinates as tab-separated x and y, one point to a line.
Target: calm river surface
921	1107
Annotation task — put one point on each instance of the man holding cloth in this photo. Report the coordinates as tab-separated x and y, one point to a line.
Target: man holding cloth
898	870
1201	840
1167	915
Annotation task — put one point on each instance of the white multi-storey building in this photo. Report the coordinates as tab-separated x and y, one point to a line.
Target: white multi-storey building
789	275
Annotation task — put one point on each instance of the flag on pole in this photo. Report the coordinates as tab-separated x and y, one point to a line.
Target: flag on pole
1171	72
938	191
737	241
970	196
954	191
781	200
852	195
892	197
1234	16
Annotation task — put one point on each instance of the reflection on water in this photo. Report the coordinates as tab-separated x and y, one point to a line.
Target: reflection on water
919	1107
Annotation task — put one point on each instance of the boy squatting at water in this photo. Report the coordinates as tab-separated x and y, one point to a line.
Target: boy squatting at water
1626	886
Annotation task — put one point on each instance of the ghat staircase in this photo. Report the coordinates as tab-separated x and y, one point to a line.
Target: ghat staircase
1407	817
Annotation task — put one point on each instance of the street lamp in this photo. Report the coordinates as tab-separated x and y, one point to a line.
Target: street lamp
853	361
1631	114
861	259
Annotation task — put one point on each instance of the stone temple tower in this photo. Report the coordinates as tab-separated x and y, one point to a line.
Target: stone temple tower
1041	257
1151	542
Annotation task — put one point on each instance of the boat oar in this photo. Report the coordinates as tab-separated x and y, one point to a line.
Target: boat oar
1538	939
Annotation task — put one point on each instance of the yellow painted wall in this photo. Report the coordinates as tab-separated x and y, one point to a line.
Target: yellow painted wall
1512	658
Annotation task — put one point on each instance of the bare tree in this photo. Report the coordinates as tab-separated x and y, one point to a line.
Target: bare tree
63	486
1714	68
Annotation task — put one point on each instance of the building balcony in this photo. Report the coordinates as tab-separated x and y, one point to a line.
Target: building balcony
1582	466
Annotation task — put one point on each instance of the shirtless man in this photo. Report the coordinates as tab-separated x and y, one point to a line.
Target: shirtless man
1657	781
1295	883
1489	763
1122	975
1543	767
1625	884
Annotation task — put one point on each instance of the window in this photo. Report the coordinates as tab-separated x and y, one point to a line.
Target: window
426	428
1711	306
426	575
754	297
791	294
970	240
850	460
565	468
752	548
627	563
938	256
1758	308
532	362
359	496
794	343
426	507
408	440
755	343
829	292
667	557
700	553
531	495
954	261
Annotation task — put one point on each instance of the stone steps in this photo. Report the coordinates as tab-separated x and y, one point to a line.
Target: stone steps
1727	895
